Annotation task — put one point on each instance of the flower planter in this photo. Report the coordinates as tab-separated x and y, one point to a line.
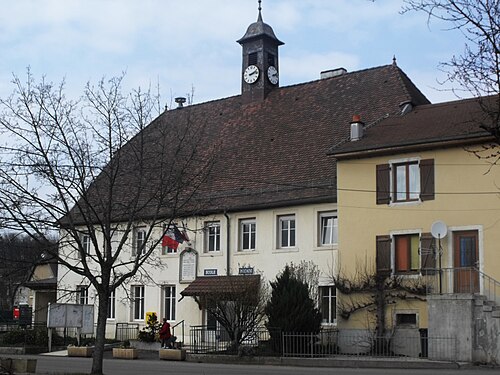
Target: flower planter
125	353
80	351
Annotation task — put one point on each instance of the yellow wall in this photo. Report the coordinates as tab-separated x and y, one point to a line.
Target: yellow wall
467	197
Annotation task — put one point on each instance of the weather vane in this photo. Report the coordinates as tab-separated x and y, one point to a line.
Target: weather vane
260	7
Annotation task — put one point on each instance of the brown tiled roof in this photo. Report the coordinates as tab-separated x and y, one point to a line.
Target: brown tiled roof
426	126
268	154
234	284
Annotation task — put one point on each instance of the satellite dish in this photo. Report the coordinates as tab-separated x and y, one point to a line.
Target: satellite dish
439	229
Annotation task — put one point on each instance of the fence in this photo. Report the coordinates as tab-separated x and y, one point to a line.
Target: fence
364	343
126	331
326	343
258	341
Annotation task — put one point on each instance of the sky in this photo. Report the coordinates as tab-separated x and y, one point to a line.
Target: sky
189	46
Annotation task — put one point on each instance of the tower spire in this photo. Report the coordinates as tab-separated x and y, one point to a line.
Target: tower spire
259	18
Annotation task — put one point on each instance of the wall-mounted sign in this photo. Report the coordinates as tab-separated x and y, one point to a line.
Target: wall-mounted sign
210	272
245	271
188	265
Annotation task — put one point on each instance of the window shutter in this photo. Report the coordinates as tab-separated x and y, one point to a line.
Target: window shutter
383	184
427	254
383	255
134	242
427	179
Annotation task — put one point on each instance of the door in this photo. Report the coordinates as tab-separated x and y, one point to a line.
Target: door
466	257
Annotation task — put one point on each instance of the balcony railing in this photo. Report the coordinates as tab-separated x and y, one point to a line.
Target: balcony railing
467	280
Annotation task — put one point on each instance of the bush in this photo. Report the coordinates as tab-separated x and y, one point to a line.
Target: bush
150	332
29	337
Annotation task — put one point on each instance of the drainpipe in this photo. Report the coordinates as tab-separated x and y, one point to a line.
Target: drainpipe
228	226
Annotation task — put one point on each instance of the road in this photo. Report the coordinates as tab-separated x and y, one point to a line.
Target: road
49	364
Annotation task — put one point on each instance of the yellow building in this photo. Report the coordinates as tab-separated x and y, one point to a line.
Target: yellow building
419	202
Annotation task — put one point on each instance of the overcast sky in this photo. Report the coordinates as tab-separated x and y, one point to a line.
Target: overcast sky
181	44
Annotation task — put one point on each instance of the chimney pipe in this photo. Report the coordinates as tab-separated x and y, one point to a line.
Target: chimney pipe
357	127
180	101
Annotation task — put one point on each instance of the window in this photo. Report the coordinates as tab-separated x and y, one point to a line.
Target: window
405	253
252	58
86	243
212	236
139	238
328	228
286	231
138	302
406	320
169	302
411	181
111	305
82	295
248	228
328	307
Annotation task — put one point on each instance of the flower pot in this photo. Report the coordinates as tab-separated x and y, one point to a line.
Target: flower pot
125	353
80	351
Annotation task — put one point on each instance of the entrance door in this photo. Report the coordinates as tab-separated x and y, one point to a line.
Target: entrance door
466	257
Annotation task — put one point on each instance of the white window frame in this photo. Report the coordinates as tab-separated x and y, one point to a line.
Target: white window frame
251	232
139	240
169	299
86	243
334	234
138	311
112	305
212	233
331	297
83	294
291	232
393	164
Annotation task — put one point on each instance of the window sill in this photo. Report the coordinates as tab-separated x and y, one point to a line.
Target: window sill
212	254
326	247
246	252
286	250
405	203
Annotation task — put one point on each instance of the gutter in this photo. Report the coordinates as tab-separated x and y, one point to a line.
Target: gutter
228	237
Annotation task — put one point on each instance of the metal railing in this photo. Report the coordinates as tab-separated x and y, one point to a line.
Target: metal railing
463	280
259	341
126	331
362	344
181	323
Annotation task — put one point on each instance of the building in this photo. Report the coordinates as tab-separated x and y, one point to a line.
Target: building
418	199
270	197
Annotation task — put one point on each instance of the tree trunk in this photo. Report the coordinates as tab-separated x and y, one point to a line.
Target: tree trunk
381	304
102	315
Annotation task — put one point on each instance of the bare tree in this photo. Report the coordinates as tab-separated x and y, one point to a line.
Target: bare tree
91	170
367	289
477	69
238	306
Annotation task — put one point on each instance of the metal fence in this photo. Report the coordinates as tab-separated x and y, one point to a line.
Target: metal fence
364	343
409	344
126	331
258	341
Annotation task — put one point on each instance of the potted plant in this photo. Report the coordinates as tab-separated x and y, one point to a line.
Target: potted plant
125	351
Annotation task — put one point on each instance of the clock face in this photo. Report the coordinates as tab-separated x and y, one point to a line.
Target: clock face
272	75
251	74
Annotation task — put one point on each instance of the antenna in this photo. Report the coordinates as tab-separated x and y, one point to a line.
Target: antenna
439	230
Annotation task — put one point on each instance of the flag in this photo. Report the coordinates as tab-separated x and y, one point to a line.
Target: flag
172	238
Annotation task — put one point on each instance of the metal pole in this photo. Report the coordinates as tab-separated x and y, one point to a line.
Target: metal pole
440	267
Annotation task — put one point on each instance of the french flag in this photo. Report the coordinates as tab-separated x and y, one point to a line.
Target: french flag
173	237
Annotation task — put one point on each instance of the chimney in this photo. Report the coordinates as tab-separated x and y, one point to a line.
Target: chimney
180	101
333	73
356	128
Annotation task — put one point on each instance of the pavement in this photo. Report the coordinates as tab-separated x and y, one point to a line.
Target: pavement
338	362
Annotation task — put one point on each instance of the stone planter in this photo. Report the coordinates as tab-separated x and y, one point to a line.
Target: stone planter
125	353
173	354
80	351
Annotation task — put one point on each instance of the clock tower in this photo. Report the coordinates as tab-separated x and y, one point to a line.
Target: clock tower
260	61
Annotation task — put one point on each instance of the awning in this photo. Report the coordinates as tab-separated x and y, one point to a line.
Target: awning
221	285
